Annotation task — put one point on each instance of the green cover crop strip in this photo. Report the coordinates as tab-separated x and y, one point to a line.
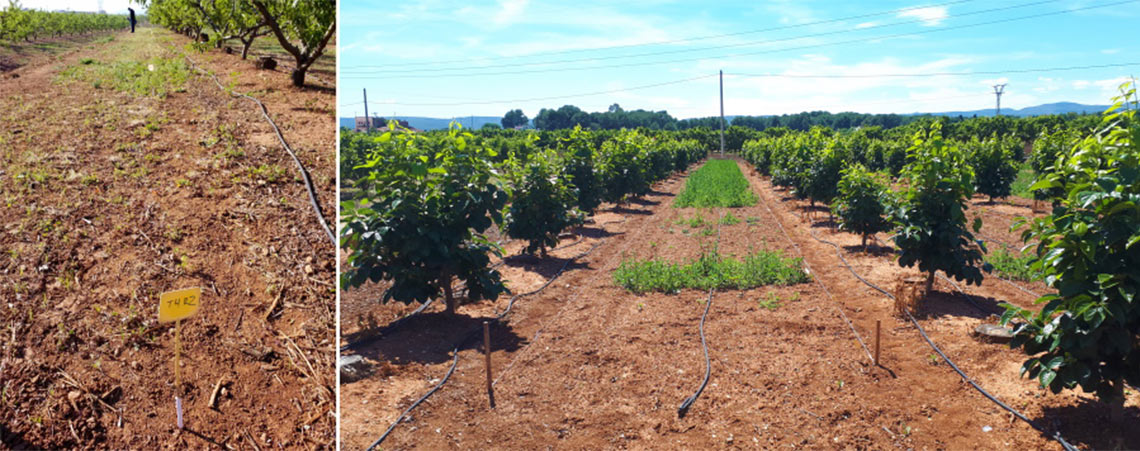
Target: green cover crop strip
719	183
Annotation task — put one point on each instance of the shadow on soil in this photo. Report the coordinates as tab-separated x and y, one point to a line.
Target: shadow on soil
873	249
595	232
429	338
942	303
625	210
1086	425
546	267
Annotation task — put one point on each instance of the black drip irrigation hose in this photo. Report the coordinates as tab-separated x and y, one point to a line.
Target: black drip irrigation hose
454	362
1056	435
300	167
688	402
471	335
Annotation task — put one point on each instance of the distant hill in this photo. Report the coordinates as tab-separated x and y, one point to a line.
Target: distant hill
430	123
1039	110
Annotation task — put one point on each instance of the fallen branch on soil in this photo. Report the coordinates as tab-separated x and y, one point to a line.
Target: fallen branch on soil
300	167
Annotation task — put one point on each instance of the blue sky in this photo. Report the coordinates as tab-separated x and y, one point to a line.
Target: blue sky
433	52
110	6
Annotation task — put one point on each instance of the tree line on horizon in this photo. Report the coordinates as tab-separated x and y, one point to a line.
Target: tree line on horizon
616	118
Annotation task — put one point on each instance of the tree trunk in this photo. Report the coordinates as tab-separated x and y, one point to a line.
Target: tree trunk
298	76
864	243
245	45
1116	411
930	282
447	294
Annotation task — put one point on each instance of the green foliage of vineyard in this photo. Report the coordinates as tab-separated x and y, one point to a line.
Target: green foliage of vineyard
18	24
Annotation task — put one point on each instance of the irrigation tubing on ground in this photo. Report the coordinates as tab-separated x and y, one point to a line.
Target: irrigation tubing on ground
688	402
1056	435
454	362
474	333
839	309
300	167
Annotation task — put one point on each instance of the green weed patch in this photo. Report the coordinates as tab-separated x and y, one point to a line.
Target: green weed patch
1013	266
710	270
719	183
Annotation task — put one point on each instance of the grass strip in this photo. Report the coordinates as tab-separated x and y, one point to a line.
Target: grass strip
719	183
710	270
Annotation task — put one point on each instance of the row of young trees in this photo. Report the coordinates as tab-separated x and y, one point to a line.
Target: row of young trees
20	24
303	28
425	201
1087	334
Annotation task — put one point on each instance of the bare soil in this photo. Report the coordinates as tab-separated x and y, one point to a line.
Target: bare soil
587	365
113	198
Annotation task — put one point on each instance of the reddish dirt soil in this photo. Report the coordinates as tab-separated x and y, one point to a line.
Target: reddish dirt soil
585	364
114	198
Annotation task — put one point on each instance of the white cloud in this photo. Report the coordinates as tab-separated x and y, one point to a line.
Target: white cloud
930	15
791	12
512	10
865	25
1081	84
1047	84
1110	51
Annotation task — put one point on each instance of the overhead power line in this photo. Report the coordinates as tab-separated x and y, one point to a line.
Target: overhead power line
535	99
692	50
938	74
676	41
785	49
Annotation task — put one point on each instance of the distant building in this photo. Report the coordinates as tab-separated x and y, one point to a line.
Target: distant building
378	124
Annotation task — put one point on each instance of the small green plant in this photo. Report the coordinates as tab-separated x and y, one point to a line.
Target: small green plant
771	301
694	222
729	219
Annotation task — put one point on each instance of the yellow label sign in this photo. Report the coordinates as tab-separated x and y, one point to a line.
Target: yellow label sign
179	304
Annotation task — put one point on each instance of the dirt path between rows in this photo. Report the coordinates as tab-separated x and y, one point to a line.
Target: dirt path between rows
114	197
586	364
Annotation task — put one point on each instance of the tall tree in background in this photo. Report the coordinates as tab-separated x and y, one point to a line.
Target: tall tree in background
514	118
232	19
302	27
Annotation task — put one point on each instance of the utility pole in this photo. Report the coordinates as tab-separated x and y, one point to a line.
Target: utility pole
998	90
367	119
722	113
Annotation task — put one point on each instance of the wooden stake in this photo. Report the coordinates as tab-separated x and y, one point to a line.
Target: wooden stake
178	371
487	355
878	324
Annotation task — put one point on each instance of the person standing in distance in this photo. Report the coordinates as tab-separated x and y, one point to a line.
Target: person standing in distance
133	20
